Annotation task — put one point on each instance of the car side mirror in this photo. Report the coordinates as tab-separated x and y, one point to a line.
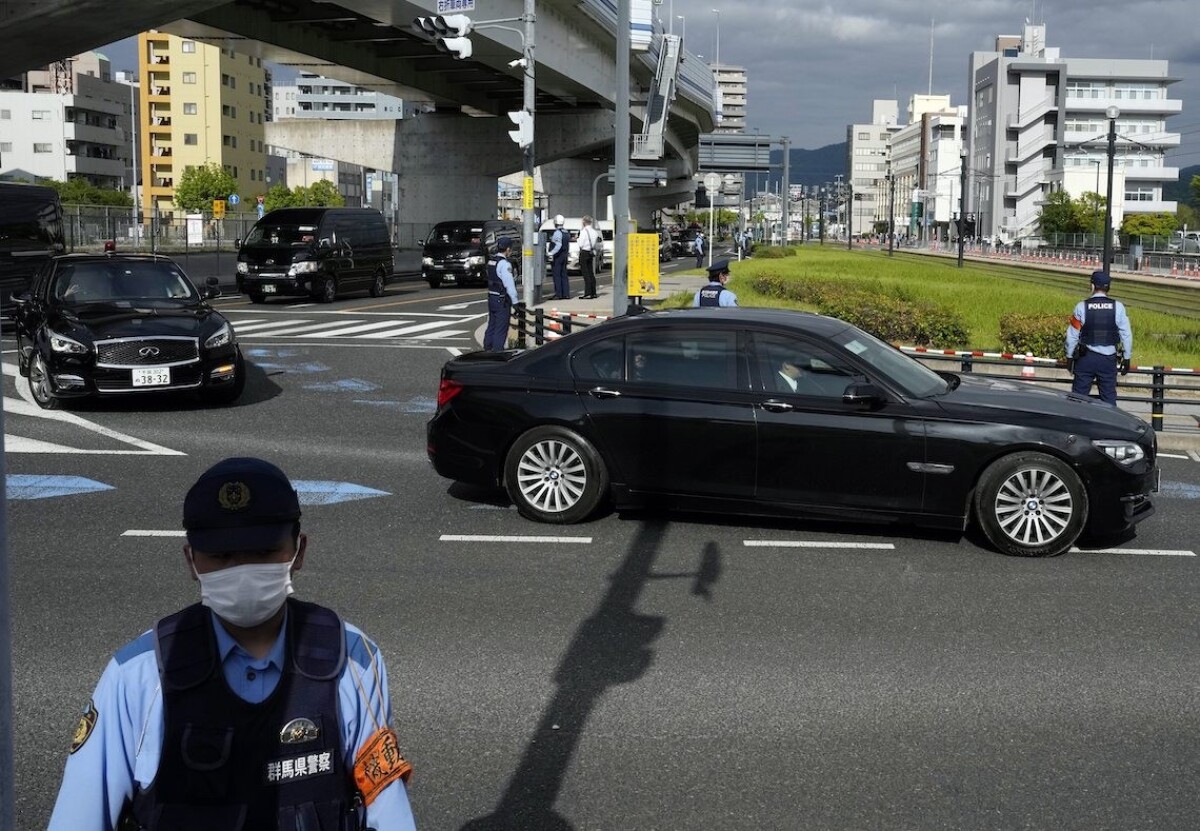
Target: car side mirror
324	242
861	393
237	243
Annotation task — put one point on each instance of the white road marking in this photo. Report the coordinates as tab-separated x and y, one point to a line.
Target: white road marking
1195	455
456	306
309	326
407	330
1149	552
885	546
1173	456
260	327
138	532
25	406
365	327
504	538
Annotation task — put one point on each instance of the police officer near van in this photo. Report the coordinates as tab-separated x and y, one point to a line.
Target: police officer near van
560	248
248	710
1098	326
715	293
502	297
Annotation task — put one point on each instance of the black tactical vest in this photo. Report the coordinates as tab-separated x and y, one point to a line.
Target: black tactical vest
493	277
710	295
236	766
1100	322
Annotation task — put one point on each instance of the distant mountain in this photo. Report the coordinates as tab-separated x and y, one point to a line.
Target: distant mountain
810	167
1181	191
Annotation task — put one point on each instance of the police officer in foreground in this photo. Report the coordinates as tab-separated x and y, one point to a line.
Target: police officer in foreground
715	293
502	297
1097	327
250	710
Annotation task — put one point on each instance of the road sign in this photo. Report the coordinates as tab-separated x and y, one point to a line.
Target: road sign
218	209
444	6
527	194
234	199
261	209
643	265
735	153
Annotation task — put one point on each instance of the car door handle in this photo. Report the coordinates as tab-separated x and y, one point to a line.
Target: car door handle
603	392
775	406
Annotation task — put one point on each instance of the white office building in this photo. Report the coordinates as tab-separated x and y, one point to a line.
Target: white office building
314	96
925	163
1040	122
70	121
867	151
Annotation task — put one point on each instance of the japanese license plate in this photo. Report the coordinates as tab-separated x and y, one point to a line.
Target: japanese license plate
152	377
268	288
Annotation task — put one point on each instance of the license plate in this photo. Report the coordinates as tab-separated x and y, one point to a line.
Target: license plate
156	377
268	288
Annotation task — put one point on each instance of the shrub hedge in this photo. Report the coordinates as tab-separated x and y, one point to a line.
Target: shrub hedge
1041	334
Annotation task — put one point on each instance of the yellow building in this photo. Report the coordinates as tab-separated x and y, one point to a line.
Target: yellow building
199	104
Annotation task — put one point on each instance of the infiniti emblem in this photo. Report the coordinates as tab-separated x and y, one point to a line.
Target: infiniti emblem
148	351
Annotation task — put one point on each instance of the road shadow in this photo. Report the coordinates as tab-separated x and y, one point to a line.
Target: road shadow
613	646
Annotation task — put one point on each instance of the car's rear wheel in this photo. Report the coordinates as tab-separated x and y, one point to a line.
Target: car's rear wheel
326	289
379	284
435	282
1031	505
555	475
256	297
39	383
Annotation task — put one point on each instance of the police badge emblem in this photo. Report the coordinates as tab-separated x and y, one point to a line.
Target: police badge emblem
87	723
234	496
298	731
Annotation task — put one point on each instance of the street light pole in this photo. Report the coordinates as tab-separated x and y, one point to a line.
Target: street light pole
529	102
891	210
849	217
962	202
787	190
1112	112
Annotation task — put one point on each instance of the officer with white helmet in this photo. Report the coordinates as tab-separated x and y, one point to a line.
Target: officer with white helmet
560	247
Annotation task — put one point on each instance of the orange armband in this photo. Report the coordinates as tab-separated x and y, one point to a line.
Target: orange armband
379	764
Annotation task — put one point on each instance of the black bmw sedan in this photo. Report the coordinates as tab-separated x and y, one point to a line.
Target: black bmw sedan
772	412
122	325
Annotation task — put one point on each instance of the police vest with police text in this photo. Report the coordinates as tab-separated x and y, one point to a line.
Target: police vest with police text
494	284
1100	322
710	295
233	765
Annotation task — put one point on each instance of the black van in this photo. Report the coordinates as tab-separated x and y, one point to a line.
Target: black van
321	252
31	232
457	252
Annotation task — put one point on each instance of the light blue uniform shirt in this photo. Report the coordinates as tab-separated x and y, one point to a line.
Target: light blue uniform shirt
556	242
126	742
726	298
1123	327
505	274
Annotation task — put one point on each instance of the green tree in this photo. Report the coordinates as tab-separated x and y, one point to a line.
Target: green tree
324	193
1058	214
1195	186
278	197
83	192
199	186
1187	216
1148	225
1088	212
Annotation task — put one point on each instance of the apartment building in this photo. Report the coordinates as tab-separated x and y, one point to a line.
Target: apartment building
1039	123
200	104
315	96
68	121
867	153
925	163
730	84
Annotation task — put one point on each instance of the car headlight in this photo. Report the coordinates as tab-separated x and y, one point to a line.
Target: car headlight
243	268
475	260
61	343
427	261
1122	452
222	337
306	267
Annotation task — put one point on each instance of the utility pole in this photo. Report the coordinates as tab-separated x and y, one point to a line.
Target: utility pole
528	232
891	210
962	202
1112	112
821	213
787	190
621	158
849	217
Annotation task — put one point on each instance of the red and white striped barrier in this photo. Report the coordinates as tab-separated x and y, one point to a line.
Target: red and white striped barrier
1025	359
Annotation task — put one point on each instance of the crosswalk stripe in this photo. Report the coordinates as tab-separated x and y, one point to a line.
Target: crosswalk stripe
365	327
304	330
242	328
407	330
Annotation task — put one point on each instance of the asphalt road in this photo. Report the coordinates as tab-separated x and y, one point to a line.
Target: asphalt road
641	670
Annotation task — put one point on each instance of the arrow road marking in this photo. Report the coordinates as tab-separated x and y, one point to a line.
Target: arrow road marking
29	486
323	492
459	306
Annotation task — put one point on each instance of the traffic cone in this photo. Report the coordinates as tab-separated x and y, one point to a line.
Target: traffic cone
1027	370
1174	269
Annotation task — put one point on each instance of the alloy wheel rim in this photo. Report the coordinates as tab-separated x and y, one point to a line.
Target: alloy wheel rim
39	380
1034	507
551	476
330	289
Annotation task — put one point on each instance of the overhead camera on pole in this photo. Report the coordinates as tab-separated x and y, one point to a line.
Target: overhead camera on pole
449	32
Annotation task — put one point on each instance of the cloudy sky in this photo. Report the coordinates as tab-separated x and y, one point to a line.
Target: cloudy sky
815	66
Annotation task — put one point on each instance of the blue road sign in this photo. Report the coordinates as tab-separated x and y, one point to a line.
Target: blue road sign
33	486
234	199
321	492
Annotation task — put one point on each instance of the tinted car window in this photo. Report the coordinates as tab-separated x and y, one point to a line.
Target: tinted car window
100	282
457	233
685	358
602	361
913	378
813	370
281	233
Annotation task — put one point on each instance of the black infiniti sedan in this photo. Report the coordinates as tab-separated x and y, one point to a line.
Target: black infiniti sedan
772	412
123	324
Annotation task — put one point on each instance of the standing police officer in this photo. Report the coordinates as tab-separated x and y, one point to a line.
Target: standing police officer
560	247
249	710
502	297
715	293
698	248
1097	327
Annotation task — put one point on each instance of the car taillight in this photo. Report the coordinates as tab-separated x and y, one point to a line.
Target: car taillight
447	390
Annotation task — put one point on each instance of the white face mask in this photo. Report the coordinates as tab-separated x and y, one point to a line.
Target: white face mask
246	595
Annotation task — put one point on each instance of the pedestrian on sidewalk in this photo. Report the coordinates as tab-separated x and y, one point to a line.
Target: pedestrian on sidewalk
590	242
249	709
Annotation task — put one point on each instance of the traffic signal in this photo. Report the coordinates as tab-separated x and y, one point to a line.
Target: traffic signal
702	200
523	135
449	32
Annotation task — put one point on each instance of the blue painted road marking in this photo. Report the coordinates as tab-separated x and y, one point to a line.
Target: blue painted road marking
420	404
322	492
1178	490
32	486
344	385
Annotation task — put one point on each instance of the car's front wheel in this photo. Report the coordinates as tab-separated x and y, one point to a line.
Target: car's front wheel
39	383
379	284
326	289
555	475
1031	505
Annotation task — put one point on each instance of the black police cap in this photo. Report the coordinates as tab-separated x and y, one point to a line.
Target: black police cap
240	504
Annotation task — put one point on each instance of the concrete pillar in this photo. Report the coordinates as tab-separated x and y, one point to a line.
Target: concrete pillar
568	187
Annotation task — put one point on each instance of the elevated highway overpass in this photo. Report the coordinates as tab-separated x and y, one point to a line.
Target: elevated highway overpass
449	156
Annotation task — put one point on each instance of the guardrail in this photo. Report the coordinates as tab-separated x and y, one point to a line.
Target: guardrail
1158	386
540	325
